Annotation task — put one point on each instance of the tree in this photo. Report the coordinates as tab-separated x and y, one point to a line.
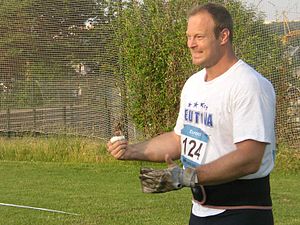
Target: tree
156	61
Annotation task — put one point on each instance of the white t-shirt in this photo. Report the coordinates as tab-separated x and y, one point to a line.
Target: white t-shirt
214	115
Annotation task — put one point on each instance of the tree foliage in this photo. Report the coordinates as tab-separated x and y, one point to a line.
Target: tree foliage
156	61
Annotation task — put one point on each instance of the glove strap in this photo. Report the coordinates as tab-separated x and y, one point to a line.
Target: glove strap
189	177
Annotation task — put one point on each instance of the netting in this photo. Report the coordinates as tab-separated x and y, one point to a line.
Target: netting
57	67
284	23
60	68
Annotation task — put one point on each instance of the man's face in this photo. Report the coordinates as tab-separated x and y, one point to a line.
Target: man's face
201	40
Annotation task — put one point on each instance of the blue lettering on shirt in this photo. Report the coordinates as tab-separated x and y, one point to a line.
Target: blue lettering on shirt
198	117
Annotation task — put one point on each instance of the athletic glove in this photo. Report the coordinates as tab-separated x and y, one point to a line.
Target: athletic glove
164	180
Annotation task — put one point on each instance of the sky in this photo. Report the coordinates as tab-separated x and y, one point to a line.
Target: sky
275	9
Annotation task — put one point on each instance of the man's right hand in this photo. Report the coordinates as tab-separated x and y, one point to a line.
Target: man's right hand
117	147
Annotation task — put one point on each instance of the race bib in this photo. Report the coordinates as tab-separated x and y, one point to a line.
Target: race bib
193	146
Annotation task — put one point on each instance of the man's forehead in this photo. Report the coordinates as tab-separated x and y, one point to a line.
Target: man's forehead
200	22
202	17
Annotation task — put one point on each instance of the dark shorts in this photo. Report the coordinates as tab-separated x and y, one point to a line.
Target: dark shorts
236	217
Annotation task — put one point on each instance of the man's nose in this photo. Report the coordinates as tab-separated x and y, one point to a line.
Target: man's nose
191	43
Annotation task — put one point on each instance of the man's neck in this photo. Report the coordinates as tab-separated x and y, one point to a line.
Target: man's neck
224	64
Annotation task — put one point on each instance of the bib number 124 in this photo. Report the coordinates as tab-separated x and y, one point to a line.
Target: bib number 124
192	148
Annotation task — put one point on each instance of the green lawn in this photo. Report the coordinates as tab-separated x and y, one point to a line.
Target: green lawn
109	193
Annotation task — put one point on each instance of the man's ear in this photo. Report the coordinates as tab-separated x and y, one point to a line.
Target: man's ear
224	36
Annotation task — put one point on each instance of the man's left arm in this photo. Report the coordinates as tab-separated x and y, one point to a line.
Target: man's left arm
245	160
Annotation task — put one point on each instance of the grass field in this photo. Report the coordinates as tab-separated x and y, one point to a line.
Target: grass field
109	193
106	191
100	193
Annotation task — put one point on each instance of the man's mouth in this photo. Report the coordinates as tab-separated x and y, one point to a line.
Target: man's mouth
197	54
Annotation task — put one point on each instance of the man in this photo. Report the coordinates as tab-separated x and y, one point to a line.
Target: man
224	133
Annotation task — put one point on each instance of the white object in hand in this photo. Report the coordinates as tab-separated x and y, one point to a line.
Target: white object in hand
117	138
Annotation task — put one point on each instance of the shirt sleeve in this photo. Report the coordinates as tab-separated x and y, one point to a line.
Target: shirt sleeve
254	112
180	119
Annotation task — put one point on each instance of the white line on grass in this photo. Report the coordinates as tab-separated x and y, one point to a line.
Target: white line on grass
35	208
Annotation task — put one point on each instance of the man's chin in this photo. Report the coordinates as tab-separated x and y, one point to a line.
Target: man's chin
197	62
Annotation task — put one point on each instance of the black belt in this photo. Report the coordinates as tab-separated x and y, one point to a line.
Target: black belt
243	193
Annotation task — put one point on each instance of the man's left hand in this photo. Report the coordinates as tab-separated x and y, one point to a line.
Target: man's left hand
170	179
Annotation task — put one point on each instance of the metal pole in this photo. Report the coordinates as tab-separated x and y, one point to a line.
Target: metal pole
8	122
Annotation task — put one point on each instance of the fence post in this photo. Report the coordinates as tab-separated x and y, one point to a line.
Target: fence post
34	121
108	118
8	121
65	118
124	109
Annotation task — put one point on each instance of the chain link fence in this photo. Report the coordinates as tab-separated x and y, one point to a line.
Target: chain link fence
59	70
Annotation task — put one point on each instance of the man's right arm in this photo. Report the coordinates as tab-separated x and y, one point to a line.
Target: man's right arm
153	150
